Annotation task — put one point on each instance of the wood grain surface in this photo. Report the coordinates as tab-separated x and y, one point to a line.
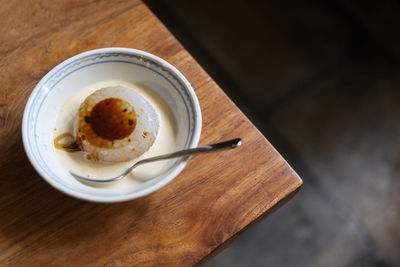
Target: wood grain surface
216	197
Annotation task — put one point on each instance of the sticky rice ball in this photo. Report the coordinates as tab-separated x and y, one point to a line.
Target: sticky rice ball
116	124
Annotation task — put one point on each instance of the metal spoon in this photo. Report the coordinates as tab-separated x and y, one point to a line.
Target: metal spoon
191	151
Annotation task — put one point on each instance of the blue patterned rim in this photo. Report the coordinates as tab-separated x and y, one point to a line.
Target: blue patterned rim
49	83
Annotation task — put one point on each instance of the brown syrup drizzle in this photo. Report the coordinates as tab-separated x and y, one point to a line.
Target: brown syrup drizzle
109	120
112	119
66	142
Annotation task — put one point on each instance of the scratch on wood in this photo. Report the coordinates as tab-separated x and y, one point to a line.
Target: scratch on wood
49	48
3	101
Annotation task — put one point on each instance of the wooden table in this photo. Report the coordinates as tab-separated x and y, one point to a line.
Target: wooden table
214	199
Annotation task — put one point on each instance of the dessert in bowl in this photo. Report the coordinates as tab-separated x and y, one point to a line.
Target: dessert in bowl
150	109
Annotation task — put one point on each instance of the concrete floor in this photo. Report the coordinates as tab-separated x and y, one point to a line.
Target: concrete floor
321	81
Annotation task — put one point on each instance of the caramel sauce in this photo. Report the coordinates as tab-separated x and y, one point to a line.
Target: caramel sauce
108	120
66	142
111	120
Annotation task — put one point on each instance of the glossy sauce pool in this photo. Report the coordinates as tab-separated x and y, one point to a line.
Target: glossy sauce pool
164	143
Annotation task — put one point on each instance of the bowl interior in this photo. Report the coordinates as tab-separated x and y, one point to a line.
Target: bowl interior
93	67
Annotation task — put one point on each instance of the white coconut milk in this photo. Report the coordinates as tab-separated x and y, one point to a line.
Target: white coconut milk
75	162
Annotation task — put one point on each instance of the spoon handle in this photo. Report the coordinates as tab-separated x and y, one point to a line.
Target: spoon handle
191	151
187	152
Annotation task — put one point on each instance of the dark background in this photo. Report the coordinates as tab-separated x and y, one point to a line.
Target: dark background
321	80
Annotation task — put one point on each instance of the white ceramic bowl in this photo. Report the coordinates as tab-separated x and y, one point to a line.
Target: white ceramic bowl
92	67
